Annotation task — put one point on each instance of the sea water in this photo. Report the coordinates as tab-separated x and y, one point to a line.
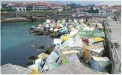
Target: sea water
16	42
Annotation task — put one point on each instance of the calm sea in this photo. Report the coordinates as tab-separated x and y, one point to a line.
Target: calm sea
16	42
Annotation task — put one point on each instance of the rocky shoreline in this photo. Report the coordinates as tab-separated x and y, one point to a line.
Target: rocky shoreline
20	19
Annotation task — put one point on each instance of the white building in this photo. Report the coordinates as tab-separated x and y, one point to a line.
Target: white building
102	12
59	10
41	6
20	8
17	6
32	6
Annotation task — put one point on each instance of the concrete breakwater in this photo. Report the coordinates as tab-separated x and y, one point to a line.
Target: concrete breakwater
63	53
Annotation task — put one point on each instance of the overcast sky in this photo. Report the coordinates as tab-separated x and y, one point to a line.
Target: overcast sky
89	2
82	2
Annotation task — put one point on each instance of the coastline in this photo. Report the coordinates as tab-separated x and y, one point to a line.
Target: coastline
14	19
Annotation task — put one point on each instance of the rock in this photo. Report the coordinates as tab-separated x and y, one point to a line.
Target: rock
14	69
31	30
75	67
53	35
41	47
49	50
46	33
21	19
31	59
39	33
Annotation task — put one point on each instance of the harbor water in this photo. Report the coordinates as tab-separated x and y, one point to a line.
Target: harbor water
16	42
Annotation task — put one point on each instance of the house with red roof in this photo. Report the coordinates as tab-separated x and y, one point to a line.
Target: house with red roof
41	6
36	6
59	7
56	6
27	5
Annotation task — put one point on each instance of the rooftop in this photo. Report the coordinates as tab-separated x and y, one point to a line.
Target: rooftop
34	3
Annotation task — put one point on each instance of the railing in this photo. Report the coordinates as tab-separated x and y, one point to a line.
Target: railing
114	56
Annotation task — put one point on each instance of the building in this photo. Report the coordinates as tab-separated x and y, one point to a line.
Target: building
29	6
57	7
103	6
116	8
102	13
17	6
41	6
67	7
93	10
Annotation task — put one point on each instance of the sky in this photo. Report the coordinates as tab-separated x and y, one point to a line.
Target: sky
82	2
90	2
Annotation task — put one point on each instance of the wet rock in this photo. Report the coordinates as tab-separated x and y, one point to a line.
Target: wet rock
39	33
31	30
49	50
31	59
46	33
53	35
59	34
41	47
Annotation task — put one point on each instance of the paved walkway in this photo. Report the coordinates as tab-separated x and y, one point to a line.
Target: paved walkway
115	27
